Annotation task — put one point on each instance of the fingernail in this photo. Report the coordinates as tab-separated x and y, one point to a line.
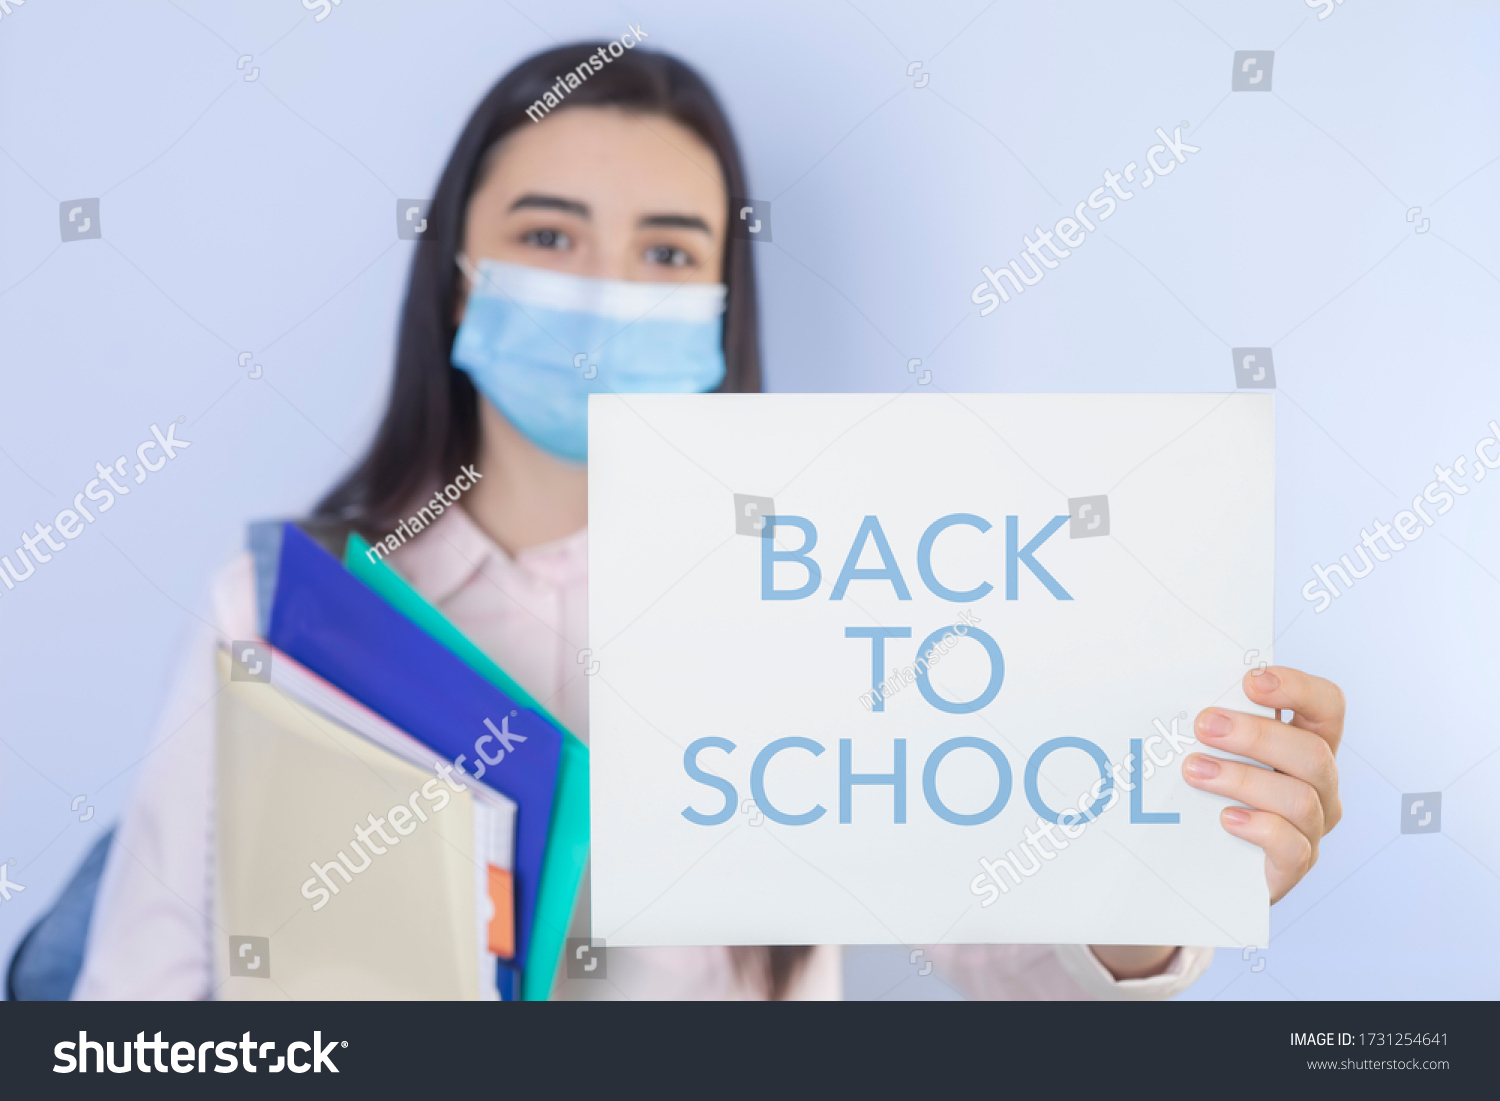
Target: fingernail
1267	681
1202	768
1236	816
1215	724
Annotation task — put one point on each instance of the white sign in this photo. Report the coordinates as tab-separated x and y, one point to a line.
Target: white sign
913	669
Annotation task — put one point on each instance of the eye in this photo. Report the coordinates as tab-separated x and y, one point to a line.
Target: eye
668	255
547	238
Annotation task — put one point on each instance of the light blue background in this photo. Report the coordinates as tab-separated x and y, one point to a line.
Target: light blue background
258	216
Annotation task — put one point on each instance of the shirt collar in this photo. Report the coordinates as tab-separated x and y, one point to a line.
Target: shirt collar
453	549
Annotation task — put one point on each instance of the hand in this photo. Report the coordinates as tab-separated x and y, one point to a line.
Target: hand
1291	808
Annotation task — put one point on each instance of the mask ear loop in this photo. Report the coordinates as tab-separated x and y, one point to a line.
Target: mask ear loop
468	268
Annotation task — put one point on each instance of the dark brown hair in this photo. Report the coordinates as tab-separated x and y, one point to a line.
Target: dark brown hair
431	424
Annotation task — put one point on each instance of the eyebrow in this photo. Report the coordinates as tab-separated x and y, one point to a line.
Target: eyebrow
573	206
551	202
675	221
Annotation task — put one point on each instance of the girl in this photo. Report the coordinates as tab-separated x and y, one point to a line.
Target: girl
547	230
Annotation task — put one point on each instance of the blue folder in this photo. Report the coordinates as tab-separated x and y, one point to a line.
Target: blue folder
314	609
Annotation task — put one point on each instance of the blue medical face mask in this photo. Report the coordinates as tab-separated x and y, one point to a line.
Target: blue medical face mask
537	343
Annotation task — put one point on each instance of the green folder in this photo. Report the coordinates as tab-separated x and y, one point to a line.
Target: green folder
568	838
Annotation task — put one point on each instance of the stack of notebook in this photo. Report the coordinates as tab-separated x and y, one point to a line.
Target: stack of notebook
396	815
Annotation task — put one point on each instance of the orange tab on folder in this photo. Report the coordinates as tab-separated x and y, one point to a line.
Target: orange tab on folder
502	932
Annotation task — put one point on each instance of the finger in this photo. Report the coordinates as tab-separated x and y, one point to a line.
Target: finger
1290	749
1289	854
1293	799
1317	704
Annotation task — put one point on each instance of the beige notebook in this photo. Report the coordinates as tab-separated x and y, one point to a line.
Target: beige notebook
403	922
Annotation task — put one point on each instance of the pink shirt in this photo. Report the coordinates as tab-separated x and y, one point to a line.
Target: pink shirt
151	935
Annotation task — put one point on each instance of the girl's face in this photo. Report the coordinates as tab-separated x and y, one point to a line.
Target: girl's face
602	192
